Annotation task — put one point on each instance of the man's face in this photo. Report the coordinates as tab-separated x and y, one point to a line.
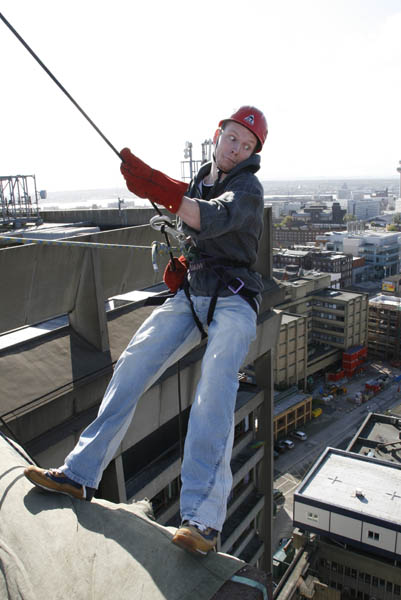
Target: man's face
236	143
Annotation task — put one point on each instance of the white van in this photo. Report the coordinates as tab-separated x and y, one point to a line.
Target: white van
300	435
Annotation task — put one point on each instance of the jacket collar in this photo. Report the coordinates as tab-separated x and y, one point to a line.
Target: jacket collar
251	164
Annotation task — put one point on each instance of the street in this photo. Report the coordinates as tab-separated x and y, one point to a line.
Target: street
335	427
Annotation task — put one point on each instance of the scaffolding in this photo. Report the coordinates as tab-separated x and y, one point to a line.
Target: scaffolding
19	201
190	167
384	329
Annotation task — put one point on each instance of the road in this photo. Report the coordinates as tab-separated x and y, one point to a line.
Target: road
335	427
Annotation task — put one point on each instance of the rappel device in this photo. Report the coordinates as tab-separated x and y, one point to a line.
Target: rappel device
56	81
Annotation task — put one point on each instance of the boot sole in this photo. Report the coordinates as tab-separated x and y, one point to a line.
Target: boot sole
189	544
51	490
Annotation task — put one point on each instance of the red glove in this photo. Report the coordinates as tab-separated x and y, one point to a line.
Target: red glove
145	182
175	279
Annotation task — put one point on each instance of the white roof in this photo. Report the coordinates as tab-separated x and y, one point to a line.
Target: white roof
340	476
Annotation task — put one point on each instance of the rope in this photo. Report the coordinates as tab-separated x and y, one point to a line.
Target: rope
75	103
69	243
180	412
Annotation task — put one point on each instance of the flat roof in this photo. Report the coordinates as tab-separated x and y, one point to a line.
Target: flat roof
393	301
336	294
338	475
283	401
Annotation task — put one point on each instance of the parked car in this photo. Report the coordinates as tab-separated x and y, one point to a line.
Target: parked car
289	443
280	446
299	435
278	497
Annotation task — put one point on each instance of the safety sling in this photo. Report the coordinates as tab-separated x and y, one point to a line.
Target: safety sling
234	284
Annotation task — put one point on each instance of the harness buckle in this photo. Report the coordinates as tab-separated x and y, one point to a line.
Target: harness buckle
240	286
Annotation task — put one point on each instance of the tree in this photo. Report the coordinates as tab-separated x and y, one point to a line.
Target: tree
287	221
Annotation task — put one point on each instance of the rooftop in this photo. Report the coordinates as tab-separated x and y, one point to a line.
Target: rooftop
390	301
358	483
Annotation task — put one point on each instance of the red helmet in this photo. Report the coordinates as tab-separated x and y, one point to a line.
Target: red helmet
254	120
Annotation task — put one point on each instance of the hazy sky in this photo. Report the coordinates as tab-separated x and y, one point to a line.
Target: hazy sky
151	75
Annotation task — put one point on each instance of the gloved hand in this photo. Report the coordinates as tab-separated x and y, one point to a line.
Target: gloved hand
145	182
174	279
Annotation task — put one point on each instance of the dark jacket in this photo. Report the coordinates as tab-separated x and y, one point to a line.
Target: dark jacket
231	224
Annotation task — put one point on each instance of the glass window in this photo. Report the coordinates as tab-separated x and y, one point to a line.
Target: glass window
353	573
375	581
397	589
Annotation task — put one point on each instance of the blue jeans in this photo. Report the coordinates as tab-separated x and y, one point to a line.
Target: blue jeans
165	337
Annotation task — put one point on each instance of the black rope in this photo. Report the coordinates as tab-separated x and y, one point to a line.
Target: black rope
75	103
180	412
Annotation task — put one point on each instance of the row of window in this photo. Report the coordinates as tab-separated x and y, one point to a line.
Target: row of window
319	325
327	337
363	578
329	316
329	305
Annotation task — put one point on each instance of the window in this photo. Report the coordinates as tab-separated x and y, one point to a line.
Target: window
397	589
312	517
373	535
375	581
389	587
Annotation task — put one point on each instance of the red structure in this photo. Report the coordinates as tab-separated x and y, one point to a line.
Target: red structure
353	358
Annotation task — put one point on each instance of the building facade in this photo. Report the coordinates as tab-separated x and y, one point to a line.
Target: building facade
54	375
384	327
380	250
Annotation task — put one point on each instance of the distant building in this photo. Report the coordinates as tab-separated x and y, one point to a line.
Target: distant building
380	249
286	236
384	327
363	208
309	258
344	193
292	410
328	321
392	285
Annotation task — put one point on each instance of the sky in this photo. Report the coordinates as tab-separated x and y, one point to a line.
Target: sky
153	75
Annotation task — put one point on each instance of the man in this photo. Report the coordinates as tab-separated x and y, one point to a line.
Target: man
221	213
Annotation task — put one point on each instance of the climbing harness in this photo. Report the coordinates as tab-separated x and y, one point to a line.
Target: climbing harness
219	266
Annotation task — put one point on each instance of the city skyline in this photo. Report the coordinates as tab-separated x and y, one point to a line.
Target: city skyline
153	77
